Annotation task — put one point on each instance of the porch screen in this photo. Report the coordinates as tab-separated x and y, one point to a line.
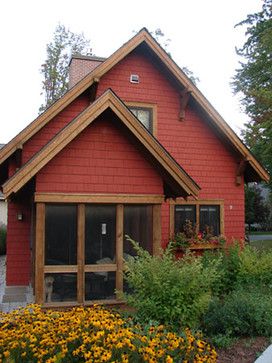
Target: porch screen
60	234
100	235
138	225
183	213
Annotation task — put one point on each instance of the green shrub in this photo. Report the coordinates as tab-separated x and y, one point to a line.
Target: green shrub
228	266
3	236
255	267
169	291
242	313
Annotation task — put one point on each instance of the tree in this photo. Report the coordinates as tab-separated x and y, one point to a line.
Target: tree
55	69
253	81
256	210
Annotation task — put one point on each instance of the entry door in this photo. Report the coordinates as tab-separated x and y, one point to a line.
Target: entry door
100	252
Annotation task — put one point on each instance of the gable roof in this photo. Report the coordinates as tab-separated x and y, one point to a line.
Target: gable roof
172	173
143	37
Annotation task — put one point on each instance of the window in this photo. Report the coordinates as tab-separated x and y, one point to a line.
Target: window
144	115
209	215
202	214
183	213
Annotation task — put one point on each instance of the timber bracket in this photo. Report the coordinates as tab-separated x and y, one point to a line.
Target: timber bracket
184	99
240	171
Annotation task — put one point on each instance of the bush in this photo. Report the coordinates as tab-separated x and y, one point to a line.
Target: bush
228	266
3	236
255	267
93	335
242	313
169	291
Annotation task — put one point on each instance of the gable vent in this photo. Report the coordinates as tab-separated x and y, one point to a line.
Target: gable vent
134	78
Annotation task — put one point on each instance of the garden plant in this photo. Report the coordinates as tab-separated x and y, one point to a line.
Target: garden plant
93	335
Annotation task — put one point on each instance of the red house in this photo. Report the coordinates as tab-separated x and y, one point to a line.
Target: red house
132	148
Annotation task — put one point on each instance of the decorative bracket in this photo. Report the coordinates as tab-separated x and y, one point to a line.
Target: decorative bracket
93	89
240	171
184	99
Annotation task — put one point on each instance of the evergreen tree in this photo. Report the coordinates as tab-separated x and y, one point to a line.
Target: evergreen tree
55	69
253	80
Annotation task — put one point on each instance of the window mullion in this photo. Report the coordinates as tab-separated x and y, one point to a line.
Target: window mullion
197	217
80	252
119	245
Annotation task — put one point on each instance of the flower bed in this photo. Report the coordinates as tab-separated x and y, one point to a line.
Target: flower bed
93	335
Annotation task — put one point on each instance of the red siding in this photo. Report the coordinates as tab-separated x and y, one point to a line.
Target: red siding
40	139
18	245
192	142
101	160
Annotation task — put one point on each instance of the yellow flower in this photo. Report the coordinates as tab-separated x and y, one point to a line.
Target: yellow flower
169	359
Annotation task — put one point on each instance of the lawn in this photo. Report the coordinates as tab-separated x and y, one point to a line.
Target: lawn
262	244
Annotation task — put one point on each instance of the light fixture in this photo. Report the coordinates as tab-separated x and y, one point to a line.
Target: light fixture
19	216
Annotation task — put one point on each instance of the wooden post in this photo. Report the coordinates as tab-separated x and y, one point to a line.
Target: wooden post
156	229
39	253
80	253
171	220
119	245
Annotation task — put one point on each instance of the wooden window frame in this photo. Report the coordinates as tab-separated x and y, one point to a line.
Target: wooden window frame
150	106
197	203
80	268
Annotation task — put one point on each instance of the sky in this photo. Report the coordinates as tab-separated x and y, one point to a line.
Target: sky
202	33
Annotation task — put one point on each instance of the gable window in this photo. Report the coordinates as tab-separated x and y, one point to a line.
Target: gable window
201	214
144	115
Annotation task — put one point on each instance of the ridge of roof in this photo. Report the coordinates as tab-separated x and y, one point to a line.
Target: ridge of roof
143	36
87	57
107	100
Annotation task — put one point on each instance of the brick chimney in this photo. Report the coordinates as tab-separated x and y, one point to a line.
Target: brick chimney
80	66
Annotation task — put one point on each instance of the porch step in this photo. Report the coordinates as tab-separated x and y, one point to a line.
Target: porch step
17	295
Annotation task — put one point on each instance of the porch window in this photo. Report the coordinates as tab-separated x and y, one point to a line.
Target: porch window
80	248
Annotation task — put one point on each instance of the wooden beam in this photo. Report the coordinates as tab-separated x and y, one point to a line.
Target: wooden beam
172	220
101	267
39	253
54	269
80	253
156	229
119	246
184	99
98	198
